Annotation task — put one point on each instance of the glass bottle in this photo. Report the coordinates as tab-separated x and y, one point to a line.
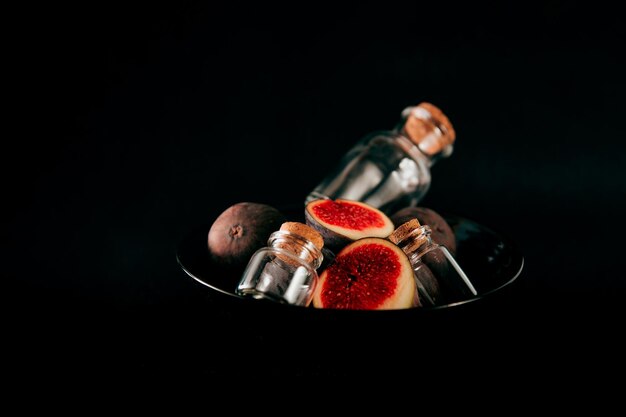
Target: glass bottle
285	271
391	169
440	279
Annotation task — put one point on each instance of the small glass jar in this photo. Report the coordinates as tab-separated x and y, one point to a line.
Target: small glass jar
439	278
285	271
391	169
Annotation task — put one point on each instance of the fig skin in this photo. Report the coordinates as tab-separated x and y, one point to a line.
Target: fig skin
441	231
337	237
353	280
240	230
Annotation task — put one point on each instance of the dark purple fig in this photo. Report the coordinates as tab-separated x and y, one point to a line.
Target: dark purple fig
442	233
240	230
343	221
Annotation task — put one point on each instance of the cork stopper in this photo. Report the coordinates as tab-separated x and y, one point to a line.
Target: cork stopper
305	231
409	236
429	128
300	240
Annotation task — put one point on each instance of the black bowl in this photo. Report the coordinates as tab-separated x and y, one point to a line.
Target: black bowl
235	335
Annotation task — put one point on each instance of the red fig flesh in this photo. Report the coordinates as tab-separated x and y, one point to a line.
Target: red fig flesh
368	274
343	221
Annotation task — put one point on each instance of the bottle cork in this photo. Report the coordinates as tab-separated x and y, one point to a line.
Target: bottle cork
408	236
429	128
305	232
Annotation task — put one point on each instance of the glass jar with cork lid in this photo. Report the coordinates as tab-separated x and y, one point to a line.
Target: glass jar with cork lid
391	169
285	271
439	278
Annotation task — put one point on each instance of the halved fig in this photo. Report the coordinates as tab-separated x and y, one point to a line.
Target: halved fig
341	222
368	274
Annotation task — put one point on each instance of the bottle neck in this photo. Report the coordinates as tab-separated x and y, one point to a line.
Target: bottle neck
297	246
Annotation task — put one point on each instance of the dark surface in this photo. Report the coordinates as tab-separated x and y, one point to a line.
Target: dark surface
139	123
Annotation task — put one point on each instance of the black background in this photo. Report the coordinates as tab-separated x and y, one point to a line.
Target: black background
137	123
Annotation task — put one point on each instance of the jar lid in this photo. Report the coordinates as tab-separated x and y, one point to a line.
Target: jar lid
409	235
304	231
429	128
